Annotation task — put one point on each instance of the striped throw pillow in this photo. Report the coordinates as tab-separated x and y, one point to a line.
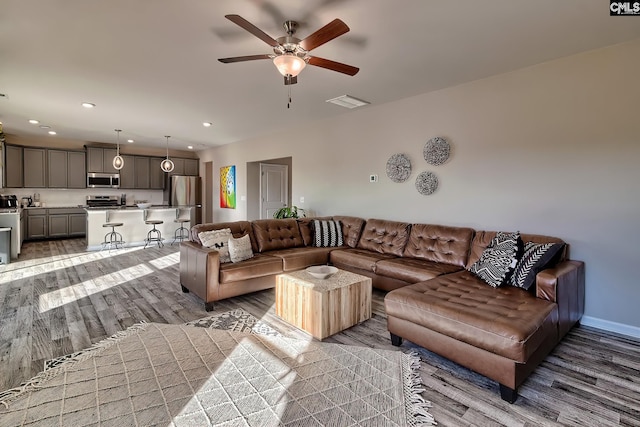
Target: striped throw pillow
327	233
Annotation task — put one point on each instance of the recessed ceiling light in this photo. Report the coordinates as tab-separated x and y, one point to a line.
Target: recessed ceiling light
45	127
88	105
34	121
207	124
130	141
190	147
348	101
52	132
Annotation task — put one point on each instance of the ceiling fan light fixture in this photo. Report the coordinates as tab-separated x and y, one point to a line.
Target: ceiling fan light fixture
289	64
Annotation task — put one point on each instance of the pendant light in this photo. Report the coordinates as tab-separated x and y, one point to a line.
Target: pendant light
118	161
167	164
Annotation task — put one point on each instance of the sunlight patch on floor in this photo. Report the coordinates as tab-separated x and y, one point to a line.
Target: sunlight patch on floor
68	294
33	267
166	261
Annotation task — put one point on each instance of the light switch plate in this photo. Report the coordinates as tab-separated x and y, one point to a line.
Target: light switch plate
301	199
373	178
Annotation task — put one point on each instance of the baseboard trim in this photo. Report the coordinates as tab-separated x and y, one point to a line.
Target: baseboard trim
607	325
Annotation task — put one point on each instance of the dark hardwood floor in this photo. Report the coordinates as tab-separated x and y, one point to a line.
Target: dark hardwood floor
57	299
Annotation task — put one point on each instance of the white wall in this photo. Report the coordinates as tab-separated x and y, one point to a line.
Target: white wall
551	149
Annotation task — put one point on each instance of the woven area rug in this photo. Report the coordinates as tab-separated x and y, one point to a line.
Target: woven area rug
237	320
179	375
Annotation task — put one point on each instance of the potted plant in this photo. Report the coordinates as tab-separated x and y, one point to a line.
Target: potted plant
289	212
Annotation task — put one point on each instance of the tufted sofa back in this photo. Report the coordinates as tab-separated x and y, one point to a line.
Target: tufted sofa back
274	234
439	243
385	237
238	229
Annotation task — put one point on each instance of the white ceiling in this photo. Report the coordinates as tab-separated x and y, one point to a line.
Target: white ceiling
151	66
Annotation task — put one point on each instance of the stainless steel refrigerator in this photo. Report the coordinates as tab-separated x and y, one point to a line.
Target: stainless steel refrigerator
184	191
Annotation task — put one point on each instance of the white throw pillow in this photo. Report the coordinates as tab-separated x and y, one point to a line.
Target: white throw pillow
240	249
219	240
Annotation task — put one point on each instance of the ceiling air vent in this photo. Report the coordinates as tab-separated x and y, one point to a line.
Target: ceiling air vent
347	101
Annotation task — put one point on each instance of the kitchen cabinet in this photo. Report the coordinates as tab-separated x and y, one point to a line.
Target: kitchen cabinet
191	167
128	172
141	172
35	167
55	222
37	223
156	174
76	169
101	160
78	224
58	225
184	166
13	166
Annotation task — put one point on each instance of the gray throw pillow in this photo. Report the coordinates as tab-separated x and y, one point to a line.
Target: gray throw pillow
219	240
240	249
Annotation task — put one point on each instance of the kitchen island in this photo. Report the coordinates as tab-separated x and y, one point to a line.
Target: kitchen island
134	230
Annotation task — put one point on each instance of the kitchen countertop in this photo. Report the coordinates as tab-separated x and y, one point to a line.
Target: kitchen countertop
123	208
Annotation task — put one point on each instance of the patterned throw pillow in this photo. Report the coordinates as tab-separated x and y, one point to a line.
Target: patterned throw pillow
240	249
499	259
535	259
327	233
217	239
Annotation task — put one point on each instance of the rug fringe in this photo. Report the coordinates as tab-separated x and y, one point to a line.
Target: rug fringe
416	405
6	397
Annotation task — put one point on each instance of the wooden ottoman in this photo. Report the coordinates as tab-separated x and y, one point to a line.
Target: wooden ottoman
323	307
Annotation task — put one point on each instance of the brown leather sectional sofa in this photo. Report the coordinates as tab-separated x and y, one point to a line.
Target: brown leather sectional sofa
433	301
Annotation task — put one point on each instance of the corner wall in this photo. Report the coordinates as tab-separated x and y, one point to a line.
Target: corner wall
550	149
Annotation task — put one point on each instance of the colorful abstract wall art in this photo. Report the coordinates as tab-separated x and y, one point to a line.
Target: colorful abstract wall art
228	187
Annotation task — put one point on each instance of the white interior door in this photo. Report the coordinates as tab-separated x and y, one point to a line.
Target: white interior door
274	185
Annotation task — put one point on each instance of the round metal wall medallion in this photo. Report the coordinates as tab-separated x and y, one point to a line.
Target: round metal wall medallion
426	183
436	151
398	168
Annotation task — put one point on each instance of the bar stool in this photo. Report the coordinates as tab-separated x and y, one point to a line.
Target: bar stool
113	238
154	234
182	232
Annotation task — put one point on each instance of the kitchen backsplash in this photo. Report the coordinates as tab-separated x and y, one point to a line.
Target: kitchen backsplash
53	198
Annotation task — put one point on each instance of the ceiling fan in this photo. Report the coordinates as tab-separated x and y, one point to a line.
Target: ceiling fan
290	54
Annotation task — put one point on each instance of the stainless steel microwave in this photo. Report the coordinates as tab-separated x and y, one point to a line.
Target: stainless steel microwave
103	180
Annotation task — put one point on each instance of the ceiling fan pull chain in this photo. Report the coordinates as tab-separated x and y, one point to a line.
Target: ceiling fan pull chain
289	103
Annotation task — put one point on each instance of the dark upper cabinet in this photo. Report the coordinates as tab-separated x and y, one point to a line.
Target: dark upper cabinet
100	160
178	168
35	166
76	169
13	177
191	167
128	172
156	174
57	167
142	172
66	169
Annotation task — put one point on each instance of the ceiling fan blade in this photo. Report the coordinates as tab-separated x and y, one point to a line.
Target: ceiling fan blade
333	65
243	58
240	21
329	32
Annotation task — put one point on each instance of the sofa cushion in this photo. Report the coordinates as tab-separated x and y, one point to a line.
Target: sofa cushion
482	239
357	258
413	270
351	229
258	266
384	237
535	258
499	259
240	249
238	229
507	321
275	234
327	233
439	243
218	240
299	258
